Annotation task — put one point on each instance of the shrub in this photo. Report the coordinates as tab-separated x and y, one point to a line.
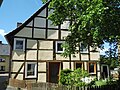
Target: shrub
73	78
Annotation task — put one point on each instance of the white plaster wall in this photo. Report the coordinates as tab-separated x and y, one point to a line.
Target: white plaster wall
17	55
75	57
25	32
42	66
84	57
72	65
39	33
50	25
42	77
52	34
94	48
20	77
45	55
30	24
85	65
42	13
16	66
94	56
98	75
65	25
31	55
50	11
59	57
40	22
98	66
32	44
66	65
64	34
45	44
13	75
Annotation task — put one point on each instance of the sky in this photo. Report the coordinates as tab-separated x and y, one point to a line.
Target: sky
13	11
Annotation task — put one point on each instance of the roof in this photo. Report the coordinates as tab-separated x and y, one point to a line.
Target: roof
1	2
10	35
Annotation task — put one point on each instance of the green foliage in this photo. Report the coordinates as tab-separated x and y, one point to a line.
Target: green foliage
73	78
44	1
100	83
92	22
64	76
111	57
111	61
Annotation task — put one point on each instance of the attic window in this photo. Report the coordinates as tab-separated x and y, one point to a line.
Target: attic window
19	44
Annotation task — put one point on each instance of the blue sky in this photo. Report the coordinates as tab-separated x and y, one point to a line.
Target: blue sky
13	11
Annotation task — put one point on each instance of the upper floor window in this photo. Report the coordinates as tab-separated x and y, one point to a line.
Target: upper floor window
19	44
2	60
83	48
31	70
59	48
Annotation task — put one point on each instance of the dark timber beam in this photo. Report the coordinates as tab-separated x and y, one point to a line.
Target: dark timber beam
1	2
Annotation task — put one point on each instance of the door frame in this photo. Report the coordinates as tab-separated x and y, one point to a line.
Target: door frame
107	69
48	70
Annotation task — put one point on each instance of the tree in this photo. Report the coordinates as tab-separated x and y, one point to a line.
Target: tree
111	56
92	22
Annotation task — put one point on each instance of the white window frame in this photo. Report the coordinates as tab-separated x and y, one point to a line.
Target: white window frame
56	46
34	76
107	68
15	39
86	49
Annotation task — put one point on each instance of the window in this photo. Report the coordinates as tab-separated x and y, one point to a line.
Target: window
59	48
19	44
2	68
2	60
83	48
31	70
92	68
79	65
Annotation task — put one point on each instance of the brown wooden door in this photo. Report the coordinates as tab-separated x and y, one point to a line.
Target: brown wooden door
53	72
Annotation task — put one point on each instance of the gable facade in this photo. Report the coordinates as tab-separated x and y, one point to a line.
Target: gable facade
36	50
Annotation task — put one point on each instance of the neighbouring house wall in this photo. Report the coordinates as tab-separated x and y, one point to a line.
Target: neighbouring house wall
4	57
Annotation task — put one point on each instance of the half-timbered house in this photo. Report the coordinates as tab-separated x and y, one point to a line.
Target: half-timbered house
36	50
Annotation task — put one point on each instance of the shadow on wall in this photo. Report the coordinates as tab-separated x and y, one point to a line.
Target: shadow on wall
3	82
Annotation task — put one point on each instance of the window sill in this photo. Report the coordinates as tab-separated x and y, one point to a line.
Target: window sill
92	73
19	50
31	77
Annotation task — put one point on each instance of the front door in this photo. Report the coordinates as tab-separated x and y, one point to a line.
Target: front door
105	71
53	72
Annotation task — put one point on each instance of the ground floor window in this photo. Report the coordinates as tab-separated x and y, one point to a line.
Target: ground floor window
92	67
31	70
78	65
